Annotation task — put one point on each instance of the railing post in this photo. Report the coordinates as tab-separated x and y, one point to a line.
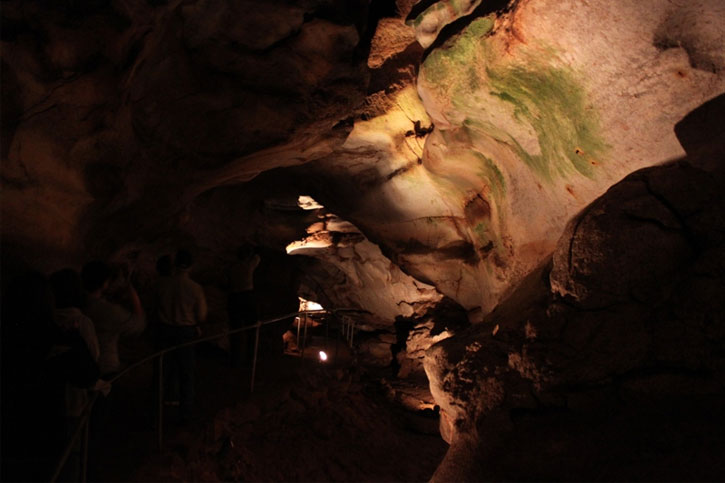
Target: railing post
299	326
84	457
337	336
160	414
254	361
304	338
327	330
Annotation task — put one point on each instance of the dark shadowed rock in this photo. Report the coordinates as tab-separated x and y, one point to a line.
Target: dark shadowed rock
608	362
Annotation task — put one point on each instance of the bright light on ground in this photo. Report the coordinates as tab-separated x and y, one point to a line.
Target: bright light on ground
323	356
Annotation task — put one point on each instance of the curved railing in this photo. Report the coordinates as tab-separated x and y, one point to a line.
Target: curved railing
348	330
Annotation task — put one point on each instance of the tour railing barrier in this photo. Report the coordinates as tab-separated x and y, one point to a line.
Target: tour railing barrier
81	432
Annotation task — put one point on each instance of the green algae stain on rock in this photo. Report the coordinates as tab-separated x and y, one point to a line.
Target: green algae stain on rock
554	104
537	107
490	172
449	62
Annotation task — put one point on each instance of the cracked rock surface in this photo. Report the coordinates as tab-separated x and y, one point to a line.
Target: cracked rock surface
607	361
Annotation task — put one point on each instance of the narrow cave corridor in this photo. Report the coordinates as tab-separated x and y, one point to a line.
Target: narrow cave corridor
454	240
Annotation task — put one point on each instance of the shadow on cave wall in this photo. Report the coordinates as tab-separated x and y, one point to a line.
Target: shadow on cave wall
702	134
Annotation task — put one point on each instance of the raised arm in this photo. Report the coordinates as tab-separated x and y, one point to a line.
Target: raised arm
201	307
138	317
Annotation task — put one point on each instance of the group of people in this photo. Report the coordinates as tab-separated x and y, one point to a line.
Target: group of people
60	342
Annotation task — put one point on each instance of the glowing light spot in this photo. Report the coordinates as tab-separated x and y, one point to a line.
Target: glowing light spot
323	356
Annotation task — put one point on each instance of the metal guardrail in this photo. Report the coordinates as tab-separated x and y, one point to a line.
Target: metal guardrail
82	430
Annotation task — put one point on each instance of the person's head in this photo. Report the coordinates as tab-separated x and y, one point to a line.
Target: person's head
164	265
67	288
95	275
183	259
27	316
28	299
245	251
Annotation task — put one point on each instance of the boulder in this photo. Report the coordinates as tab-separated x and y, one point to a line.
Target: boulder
607	361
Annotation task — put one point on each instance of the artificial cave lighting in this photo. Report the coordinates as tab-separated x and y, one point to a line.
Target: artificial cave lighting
323	356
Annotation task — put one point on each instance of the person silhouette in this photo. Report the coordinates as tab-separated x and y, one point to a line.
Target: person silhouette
241	306
182	307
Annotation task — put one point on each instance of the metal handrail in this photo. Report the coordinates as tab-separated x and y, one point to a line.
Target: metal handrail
83	423
208	338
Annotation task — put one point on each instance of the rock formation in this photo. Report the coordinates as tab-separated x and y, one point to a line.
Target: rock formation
623	329
470	156
135	114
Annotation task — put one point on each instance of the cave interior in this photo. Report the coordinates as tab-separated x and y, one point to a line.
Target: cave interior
509	216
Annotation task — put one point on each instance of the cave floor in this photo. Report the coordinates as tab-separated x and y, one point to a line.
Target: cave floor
305	421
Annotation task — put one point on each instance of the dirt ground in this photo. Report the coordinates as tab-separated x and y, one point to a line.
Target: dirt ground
305	421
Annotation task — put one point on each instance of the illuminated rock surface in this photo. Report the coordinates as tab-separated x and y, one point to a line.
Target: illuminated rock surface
357	267
135	115
610	352
540	110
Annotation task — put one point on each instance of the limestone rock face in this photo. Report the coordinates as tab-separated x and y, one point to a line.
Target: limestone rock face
121	114
418	340
522	118
539	110
131	128
357	266
620	334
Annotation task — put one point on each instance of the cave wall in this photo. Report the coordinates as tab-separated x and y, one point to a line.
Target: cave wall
607	361
120	114
458	137
530	113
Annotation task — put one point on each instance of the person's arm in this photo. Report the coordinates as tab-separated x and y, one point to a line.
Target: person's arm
201	307
137	323
88	333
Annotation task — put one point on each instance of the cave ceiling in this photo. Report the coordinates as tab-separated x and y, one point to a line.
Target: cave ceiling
449	142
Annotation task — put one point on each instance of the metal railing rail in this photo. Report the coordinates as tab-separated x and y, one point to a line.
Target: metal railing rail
83	424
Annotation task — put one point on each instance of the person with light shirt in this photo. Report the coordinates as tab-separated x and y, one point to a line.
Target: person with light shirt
111	320
181	308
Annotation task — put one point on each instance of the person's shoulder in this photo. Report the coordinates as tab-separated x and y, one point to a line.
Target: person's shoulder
197	286
104	311
93	308
163	283
84	318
